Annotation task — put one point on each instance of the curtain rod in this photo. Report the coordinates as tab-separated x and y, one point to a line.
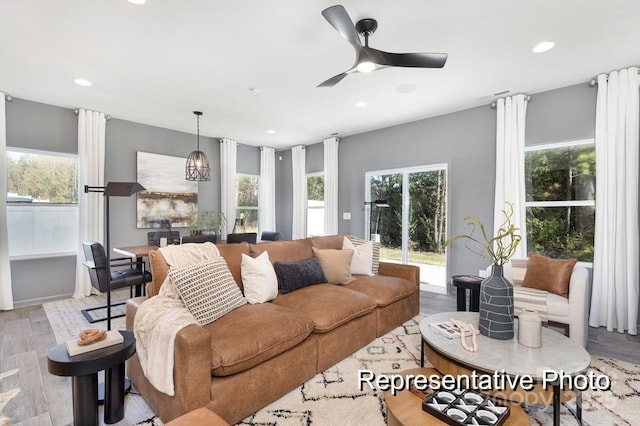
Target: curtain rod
594	81
494	104
8	98
107	117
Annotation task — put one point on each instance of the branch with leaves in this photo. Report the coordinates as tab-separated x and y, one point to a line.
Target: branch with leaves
498	249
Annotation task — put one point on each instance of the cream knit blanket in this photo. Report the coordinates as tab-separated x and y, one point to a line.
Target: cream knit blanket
159	318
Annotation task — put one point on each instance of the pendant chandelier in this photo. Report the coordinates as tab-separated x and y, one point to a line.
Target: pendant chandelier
198	168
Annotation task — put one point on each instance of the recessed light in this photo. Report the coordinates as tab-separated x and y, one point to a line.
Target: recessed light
137	1
361	104
82	82
271	132
543	47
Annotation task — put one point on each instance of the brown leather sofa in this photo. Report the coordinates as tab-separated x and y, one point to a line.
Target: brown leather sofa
257	353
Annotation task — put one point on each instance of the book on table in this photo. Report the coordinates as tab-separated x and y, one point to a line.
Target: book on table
447	329
113	338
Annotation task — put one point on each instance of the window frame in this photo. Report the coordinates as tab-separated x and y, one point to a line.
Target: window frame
559	203
15	205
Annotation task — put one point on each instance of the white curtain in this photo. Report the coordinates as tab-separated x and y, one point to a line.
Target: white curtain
510	126
228	154
331	186
6	294
91	137
267	189
614	298
299	222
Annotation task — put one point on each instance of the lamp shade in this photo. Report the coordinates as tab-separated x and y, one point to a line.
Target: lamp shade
197	167
122	189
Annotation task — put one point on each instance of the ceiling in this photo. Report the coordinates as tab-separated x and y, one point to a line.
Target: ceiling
158	62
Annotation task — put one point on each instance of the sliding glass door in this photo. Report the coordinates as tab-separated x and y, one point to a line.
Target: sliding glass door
406	212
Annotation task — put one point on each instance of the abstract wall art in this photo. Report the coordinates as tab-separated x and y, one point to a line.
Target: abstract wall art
168	195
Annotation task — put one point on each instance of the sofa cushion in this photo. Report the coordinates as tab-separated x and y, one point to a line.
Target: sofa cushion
259	278
327	242
383	289
335	265
362	261
253	334
207	289
375	262
284	251
295	275
328	305
553	275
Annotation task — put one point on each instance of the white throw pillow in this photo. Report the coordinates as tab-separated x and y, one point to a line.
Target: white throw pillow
362	260
258	278
207	289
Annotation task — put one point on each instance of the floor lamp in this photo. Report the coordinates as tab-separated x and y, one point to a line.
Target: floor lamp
379	204
113	189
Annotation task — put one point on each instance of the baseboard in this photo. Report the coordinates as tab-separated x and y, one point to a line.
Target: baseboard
40	300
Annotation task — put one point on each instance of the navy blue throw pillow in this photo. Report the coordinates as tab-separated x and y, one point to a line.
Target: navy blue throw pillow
295	275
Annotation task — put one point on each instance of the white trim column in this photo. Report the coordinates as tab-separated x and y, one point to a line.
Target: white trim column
299	218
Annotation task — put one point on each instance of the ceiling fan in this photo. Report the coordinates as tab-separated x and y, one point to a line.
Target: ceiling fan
367	58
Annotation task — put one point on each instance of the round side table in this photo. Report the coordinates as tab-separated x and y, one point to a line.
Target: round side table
83	369
462	283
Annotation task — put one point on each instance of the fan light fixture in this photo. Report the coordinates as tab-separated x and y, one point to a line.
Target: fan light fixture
366	66
197	168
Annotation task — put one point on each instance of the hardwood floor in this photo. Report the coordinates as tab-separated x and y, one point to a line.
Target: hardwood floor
45	399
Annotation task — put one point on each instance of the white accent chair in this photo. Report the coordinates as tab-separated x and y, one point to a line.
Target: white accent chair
572	311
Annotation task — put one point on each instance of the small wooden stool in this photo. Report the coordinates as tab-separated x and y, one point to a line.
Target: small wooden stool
200	416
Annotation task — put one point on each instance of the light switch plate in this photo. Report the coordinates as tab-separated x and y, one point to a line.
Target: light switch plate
346	215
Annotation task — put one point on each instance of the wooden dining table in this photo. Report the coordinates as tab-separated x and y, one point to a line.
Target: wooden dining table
139	253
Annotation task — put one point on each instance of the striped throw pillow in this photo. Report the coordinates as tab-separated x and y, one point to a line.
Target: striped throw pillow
376	252
208	289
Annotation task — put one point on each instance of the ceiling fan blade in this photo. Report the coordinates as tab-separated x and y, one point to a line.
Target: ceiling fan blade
339	19
414	60
333	80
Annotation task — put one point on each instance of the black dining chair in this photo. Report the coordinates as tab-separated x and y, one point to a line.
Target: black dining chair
250	237
123	272
270	236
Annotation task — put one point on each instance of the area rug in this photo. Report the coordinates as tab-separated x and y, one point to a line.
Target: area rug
67	321
332	397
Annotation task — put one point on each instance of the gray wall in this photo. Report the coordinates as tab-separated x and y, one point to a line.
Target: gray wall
123	140
464	140
44	127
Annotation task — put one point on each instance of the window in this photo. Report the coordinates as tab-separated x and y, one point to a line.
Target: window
246	203
42	203
315	204
406	212
561	187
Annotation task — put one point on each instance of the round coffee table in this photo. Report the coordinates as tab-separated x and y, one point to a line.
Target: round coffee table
84	371
507	357
405	407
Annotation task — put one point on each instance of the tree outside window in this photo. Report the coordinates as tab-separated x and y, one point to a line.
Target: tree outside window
560	186
247	203
315	204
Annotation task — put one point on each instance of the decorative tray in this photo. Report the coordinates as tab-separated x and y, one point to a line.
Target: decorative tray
465	407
